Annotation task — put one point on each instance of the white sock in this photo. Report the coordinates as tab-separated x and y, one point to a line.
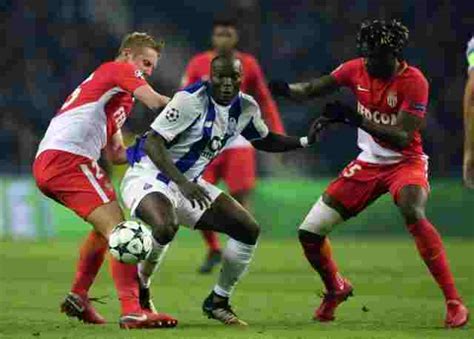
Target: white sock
236	258
150	265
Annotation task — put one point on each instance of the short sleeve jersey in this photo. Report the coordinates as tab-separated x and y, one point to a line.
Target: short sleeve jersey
381	101
196	128
94	111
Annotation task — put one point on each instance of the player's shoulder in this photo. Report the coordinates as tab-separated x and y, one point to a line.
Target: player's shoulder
193	94
201	57
414	74
351	65
248	103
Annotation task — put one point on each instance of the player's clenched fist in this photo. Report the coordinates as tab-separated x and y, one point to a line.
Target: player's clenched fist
195	193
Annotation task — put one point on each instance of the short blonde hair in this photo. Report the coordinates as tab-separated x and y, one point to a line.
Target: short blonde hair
138	40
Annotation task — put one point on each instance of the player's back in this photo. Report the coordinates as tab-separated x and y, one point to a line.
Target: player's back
94	111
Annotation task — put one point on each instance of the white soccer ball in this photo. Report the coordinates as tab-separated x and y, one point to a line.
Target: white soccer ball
130	242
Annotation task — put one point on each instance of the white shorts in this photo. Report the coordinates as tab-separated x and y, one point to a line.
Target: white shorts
137	183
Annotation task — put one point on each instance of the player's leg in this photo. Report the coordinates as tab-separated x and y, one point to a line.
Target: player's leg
156	210
411	200
345	197
227	216
213	257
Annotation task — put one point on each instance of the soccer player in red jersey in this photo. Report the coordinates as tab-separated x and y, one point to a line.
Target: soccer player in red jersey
66	170
468	168
392	98
236	165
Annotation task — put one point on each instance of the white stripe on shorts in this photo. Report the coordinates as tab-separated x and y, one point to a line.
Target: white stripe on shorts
94	183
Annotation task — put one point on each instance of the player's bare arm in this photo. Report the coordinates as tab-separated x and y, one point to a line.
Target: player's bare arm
277	143
150	98
314	88
468	166
155	148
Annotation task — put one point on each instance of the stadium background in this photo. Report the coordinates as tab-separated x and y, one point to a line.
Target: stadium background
48	47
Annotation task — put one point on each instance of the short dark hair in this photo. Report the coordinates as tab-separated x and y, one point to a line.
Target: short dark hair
224	21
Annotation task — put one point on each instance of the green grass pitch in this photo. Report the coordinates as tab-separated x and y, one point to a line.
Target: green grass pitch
394	295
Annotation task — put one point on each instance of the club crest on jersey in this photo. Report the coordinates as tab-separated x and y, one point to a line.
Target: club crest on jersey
172	114
139	74
392	99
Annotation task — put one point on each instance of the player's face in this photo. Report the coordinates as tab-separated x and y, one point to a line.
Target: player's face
226	77
146	60
224	39
381	64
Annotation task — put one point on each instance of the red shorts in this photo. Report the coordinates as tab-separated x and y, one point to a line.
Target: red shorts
72	180
361	183
236	166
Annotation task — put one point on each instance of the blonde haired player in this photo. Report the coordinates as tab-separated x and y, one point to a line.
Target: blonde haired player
66	170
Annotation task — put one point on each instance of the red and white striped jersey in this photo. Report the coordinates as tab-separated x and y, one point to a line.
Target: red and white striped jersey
94	111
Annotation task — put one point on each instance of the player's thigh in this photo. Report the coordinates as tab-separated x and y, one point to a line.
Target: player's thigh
227	216
321	219
357	186
157	210
151	200
239	170
76	182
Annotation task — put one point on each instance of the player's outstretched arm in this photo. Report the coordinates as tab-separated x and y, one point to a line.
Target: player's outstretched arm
155	148
305	90
468	166
150	98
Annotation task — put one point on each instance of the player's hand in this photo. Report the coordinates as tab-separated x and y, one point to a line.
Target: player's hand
338	112
317	127
279	88
196	194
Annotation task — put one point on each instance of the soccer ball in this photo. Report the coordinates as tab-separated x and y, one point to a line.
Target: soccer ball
130	242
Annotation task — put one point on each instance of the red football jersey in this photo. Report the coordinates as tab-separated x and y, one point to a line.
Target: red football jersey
253	83
380	101
94	111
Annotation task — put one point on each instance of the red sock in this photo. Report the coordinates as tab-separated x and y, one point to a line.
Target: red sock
319	254
212	240
430	247
126	282
91	257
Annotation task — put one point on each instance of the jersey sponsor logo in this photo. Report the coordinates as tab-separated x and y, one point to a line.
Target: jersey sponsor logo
376	116
232	126
392	99
213	147
172	114
139	74
362	89
147	186
119	117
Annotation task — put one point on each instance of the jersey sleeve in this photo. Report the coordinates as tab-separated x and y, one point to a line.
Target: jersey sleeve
470	54
345	73
415	96
178	115
256	127
262	94
127	77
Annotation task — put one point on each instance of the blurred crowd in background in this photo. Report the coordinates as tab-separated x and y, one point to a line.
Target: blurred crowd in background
49	47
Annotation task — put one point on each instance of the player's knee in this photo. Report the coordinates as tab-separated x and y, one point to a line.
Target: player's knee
166	232
321	219
412	213
248	233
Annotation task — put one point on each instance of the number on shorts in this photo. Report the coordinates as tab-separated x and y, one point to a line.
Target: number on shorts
351	170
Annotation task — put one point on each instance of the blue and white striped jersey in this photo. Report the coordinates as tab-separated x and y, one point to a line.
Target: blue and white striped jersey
196	129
